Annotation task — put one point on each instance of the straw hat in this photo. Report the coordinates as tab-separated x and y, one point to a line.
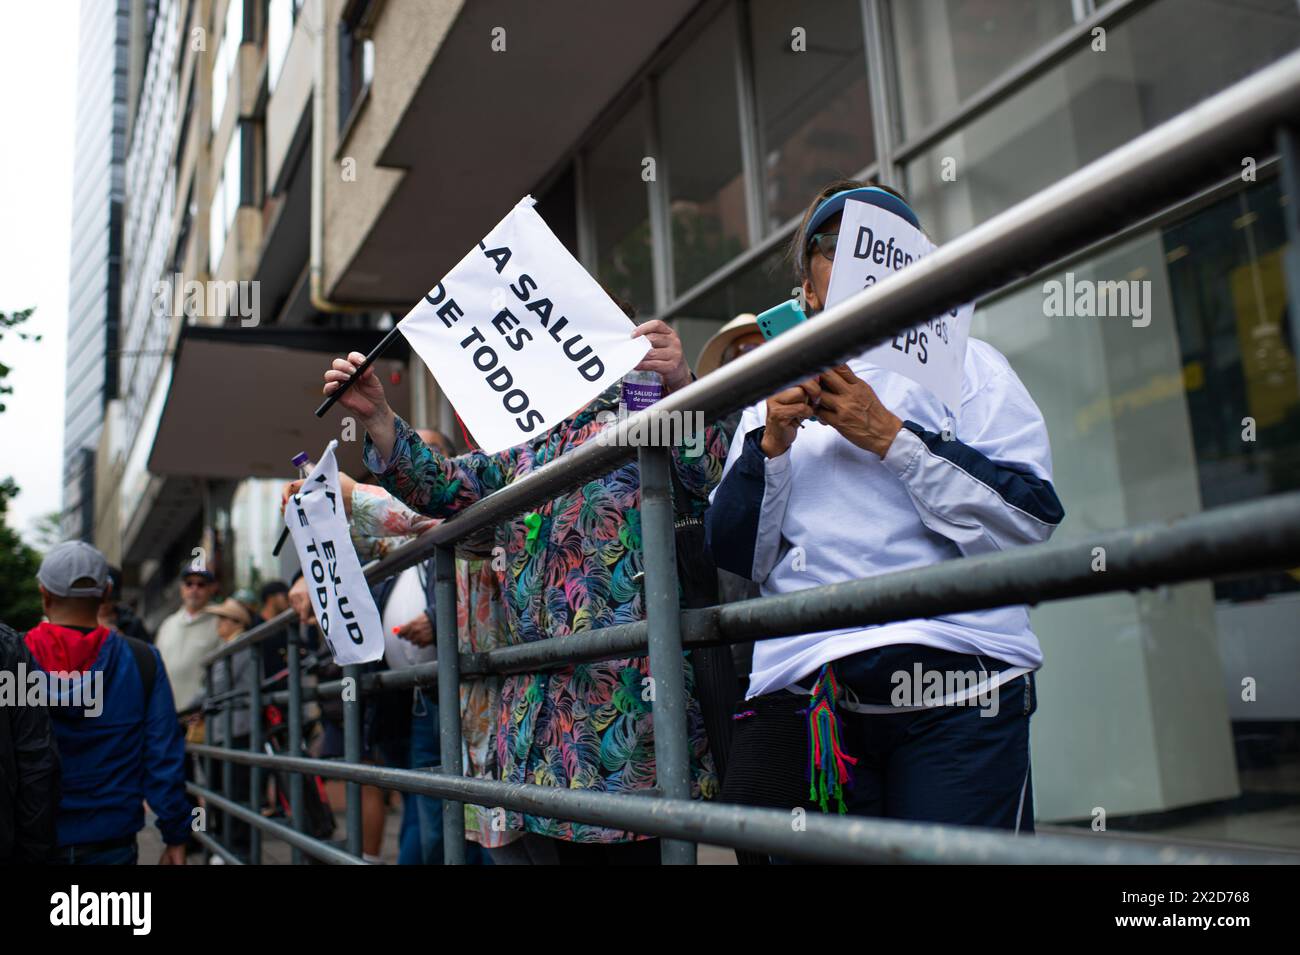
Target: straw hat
231	609
712	352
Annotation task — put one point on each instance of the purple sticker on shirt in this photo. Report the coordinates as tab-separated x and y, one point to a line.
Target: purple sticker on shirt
637	396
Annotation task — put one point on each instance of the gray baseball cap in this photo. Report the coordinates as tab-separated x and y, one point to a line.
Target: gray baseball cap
74	562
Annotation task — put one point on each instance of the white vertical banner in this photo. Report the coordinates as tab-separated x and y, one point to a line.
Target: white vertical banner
518	335
345	610
875	243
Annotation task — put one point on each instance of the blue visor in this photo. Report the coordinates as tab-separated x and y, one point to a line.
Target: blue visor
874	195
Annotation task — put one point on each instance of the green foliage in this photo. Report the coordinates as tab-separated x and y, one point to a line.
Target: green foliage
20	600
9	321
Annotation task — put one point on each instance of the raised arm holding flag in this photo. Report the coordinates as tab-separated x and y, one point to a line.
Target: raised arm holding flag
573	565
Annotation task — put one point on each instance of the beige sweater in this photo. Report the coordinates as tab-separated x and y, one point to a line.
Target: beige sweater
183	641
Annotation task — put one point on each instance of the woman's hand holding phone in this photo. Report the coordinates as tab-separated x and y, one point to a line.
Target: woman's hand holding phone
786	412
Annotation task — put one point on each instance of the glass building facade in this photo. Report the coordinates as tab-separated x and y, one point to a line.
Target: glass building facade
94	280
687	190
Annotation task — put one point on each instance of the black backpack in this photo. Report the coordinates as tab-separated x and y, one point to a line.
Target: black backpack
145	662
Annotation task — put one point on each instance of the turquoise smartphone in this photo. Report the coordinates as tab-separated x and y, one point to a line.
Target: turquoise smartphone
780	319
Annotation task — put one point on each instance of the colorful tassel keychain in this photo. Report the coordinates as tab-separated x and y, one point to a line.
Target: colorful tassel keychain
828	767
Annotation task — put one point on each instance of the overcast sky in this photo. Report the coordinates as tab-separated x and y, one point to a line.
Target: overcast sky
38	73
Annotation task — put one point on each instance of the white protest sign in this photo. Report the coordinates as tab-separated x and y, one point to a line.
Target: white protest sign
518	335
873	244
345	610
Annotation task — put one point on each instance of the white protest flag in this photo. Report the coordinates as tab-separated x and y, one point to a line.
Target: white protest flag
875	243
345	610
518	335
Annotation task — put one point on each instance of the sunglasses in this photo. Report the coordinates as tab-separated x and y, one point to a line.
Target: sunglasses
736	349
824	242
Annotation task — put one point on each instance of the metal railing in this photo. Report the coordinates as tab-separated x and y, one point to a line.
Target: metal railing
1201	145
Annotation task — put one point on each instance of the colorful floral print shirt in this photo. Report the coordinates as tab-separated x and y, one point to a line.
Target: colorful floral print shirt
380	523
571	566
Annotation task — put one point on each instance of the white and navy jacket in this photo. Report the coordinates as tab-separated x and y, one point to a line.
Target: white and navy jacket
827	511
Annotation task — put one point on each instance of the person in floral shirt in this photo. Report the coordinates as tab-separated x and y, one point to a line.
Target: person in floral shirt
573	565
379	523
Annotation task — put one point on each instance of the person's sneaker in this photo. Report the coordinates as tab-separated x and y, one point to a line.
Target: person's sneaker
216	860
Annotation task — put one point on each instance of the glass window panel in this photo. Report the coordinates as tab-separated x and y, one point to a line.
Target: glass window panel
223	63
814	112
216	229
280	17
699	124
620	210
1146	425
225	199
1157	63
232	176
219	83
947	50
367	62
754	289
1228	286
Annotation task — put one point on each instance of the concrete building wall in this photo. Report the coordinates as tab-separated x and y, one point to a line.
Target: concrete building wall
407	35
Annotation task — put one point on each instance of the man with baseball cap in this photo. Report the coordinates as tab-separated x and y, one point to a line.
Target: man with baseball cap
189	635
114	720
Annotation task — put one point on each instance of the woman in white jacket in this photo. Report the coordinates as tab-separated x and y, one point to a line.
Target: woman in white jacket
860	471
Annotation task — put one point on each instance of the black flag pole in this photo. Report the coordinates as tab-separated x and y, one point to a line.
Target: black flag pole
375	352
300	461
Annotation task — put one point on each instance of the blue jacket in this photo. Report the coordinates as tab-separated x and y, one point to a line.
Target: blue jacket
131	751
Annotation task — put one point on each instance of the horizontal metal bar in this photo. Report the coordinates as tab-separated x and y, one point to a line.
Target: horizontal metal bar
1252	537
246	640
213	703
1227	541
1128	184
236	694
216	848
1176	211
822	838
313	847
422	674
1240	538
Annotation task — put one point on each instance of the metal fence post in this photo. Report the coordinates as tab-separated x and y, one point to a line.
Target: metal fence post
227	742
208	780
352	753
453	813
257	783
296	640
663	629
